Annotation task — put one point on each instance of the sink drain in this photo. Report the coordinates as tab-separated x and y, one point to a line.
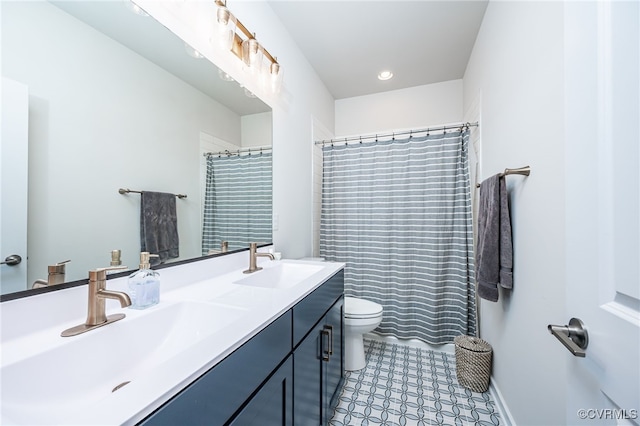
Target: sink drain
120	385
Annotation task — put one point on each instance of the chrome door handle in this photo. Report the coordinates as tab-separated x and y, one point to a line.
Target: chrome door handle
573	336
12	260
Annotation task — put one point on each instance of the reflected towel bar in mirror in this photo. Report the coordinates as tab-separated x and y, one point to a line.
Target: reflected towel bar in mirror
127	190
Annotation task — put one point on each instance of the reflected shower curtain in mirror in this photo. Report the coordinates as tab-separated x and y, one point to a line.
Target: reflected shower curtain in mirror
237	205
399	214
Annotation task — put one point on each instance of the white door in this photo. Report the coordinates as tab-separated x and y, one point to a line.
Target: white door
13	188
602	47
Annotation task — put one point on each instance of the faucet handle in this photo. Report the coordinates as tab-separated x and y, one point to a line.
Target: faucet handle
58	268
100	274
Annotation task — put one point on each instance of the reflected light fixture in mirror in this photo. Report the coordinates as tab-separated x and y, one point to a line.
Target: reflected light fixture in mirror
224	76
193	52
135	8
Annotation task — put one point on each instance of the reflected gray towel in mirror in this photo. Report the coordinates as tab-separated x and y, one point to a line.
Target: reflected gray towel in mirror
159	225
494	254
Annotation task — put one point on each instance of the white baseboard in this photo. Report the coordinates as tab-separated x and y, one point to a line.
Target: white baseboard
505	414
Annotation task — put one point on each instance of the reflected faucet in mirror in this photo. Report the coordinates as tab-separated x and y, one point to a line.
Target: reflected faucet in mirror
96	311
55	276
224	247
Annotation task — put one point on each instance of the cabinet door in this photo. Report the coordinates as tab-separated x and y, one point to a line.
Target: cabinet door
334	366
307	387
272	405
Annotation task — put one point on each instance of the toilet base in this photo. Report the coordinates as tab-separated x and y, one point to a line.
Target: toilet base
354	352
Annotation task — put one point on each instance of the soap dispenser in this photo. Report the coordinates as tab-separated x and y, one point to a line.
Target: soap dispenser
144	284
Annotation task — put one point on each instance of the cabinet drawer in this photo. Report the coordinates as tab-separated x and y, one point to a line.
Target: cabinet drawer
309	310
214	398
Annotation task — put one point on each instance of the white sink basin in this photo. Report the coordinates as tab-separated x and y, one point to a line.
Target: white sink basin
283	275
86	368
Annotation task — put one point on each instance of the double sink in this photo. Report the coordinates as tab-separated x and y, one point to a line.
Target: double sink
175	340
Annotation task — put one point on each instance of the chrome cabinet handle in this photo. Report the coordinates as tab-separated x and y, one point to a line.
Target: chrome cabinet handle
573	336
325	353
12	260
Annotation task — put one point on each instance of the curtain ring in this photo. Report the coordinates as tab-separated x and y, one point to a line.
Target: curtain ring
393	136
360	140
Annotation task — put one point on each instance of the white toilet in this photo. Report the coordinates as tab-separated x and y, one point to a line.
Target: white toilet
360	316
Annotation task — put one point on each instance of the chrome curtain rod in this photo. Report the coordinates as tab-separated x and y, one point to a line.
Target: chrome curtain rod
375	137
127	190
248	151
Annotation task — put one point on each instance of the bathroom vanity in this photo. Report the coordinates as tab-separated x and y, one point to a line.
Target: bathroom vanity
262	348
296	357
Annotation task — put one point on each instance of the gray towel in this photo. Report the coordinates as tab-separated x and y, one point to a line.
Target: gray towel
494	255
159	225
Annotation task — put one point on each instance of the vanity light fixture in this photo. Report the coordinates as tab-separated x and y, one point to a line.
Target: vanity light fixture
234	36
385	75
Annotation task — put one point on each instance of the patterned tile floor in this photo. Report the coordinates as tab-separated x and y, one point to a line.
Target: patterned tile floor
407	386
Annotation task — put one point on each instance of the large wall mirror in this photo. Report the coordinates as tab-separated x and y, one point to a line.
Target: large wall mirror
115	100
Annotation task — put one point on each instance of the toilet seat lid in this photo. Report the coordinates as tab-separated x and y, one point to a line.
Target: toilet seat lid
361	308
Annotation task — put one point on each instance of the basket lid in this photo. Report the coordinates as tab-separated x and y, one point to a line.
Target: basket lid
472	343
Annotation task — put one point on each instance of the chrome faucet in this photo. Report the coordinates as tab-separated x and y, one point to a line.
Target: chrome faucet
98	293
253	255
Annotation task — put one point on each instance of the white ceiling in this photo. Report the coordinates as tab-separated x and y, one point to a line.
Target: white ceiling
349	42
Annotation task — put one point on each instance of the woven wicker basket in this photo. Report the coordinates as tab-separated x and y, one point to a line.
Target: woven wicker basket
473	362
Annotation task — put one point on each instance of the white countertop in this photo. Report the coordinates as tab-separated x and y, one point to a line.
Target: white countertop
23	338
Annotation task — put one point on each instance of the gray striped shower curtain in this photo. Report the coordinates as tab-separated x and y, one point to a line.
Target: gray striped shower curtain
399	214
237	204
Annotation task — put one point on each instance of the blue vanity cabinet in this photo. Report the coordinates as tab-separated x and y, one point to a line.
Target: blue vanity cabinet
219	396
318	358
288	374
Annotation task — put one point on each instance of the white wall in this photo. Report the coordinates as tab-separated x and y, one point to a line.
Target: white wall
256	129
404	109
516	73
303	96
82	148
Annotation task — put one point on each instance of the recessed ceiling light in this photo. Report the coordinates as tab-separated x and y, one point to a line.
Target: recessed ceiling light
385	75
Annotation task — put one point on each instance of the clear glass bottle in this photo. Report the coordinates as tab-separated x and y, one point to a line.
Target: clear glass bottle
144	284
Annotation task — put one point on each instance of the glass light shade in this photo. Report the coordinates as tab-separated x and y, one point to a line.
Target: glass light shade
275	77
225	28
252	54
